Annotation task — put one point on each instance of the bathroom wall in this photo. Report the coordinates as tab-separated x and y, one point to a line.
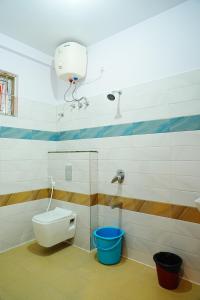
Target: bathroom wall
23	156
25	141
156	140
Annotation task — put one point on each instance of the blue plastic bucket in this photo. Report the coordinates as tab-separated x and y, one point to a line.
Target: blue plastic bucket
108	241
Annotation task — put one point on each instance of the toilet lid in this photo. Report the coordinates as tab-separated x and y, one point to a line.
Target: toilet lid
52	215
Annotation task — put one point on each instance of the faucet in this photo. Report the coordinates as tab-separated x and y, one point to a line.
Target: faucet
114	202
119	177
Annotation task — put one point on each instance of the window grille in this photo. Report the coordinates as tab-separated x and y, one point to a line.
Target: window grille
8	97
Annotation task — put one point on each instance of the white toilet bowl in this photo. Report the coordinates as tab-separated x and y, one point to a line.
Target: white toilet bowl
55	226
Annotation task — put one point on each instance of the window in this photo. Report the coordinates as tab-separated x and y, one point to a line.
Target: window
8	97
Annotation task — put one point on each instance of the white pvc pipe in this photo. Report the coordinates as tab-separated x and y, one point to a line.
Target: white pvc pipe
52	189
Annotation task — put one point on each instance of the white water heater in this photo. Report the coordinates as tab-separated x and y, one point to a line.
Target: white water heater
71	61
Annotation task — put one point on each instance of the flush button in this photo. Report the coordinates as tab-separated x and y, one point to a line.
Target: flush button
68	172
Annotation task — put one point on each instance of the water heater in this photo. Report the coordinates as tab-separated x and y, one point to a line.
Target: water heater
71	61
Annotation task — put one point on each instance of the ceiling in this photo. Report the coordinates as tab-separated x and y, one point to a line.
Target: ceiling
44	24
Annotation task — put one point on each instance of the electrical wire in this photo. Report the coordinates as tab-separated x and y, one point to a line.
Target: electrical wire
96	79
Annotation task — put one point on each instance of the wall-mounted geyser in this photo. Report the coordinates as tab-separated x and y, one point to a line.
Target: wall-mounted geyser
70	64
116	95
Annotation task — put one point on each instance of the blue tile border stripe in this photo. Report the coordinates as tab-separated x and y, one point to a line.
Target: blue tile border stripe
177	124
186	123
27	134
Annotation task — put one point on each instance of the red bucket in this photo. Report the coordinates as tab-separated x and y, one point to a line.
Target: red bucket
168	267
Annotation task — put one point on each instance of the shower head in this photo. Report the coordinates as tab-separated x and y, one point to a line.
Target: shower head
112	96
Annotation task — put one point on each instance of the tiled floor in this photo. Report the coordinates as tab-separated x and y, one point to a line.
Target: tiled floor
68	273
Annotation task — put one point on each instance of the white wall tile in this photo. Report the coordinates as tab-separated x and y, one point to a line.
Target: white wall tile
184	108
186	229
185	138
190	168
183	197
185	153
185	243
16	222
187	183
183	93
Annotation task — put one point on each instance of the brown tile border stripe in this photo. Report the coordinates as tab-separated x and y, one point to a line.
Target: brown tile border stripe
77	198
14	198
168	210
20	197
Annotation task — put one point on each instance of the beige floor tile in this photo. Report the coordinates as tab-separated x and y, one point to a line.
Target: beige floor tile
10	272
27	290
31	272
69	282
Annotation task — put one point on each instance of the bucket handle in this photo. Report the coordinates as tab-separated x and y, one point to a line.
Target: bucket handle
106	249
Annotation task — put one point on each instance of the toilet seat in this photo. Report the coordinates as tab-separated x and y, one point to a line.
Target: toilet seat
52	216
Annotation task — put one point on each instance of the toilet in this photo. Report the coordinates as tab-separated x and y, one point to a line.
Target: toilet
53	227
